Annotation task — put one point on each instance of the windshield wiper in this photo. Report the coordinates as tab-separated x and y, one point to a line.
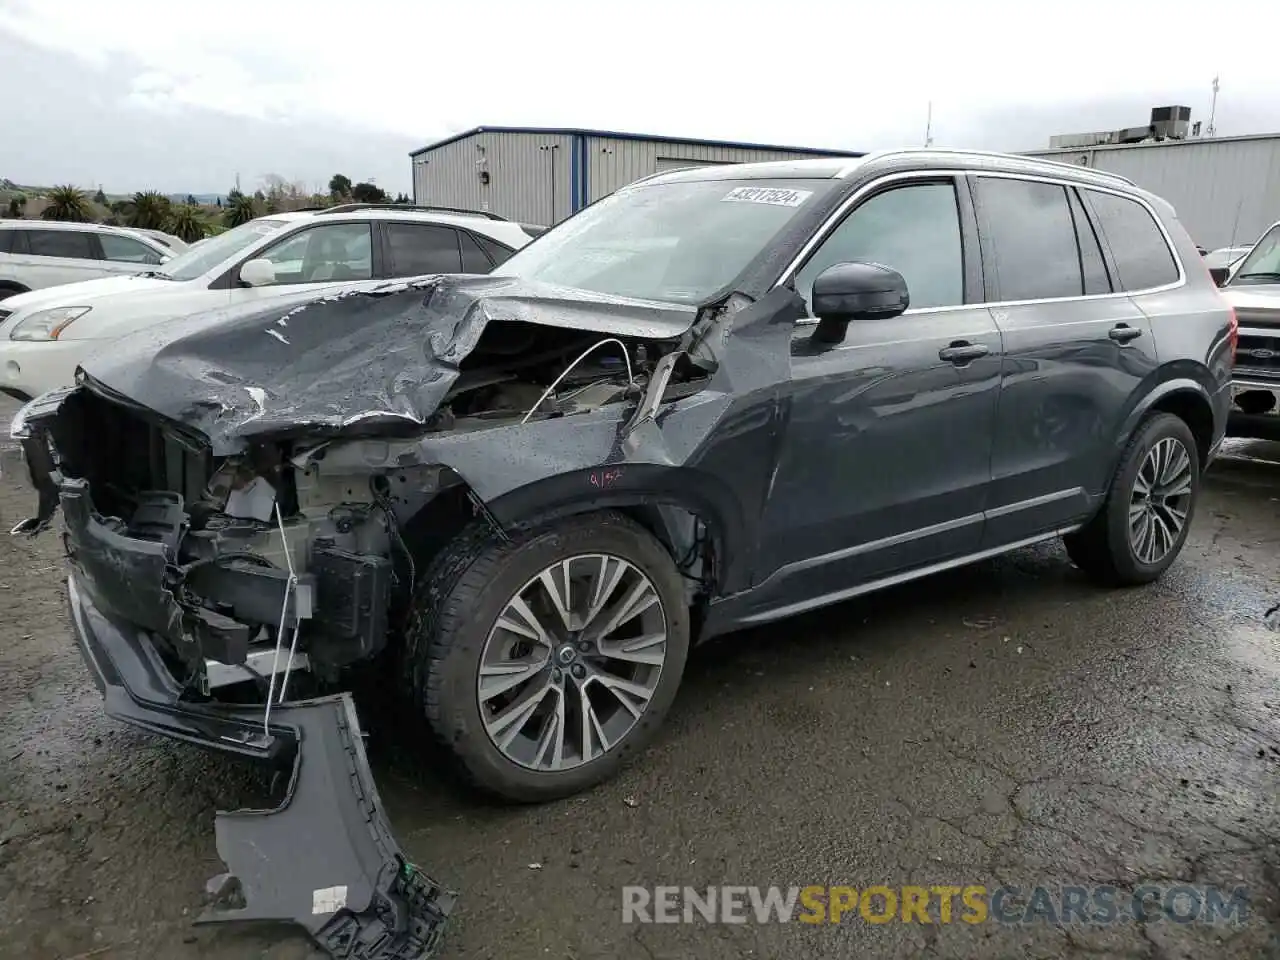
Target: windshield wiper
1264	274
154	274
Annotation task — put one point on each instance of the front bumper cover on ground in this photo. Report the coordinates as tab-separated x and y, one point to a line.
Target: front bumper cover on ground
325	858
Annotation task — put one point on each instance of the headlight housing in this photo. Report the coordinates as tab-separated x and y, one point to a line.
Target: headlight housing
46	324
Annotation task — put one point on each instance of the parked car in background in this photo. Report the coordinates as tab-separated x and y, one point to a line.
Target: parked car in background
46	333
176	244
37	254
1224	258
1253	288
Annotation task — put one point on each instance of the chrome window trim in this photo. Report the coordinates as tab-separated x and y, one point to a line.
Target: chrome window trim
833	220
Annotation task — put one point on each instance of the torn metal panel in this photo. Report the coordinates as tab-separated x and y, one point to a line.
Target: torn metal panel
377	358
354	893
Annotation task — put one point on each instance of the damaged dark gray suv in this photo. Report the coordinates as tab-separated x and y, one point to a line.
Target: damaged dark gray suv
716	398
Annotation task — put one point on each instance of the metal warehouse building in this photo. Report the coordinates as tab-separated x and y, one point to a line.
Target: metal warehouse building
543	176
1226	189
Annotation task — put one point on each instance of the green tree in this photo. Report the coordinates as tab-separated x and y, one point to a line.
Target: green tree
368	193
15	208
100	198
66	203
150	210
186	222
240	209
339	186
402	198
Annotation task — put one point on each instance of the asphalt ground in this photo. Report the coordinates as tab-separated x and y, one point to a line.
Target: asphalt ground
1006	725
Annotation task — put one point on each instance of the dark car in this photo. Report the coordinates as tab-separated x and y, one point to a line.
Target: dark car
1253	289
717	398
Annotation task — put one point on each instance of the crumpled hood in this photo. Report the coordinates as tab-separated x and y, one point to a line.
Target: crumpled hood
387	354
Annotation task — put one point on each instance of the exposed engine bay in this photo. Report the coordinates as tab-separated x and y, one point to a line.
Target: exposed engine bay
299	543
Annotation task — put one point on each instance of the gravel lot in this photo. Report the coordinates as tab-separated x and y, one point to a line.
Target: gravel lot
1008	723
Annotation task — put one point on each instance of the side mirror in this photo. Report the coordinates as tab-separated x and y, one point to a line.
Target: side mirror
257	273
847	292
1220	275
165	259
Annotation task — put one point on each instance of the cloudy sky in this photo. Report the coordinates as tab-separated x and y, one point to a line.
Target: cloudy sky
137	94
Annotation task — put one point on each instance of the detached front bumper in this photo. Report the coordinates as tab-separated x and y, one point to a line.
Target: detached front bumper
325	858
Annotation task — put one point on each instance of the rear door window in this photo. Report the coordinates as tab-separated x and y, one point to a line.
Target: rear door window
1028	239
6	240
1138	248
423	248
67	244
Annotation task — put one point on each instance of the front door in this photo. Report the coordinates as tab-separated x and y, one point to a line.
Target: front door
886	456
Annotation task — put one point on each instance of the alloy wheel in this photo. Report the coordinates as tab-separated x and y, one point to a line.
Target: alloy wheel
1161	500
572	662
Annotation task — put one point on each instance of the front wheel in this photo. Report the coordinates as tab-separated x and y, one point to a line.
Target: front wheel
546	662
1146	517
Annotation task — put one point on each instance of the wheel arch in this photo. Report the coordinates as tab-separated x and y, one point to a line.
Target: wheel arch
660	498
1185	398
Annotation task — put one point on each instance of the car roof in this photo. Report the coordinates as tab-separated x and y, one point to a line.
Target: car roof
498	228
134	232
887	160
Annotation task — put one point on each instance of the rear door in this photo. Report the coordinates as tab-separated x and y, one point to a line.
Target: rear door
50	258
1076	350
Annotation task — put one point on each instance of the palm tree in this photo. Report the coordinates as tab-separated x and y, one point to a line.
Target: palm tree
66	203
187	223
240	209
150	210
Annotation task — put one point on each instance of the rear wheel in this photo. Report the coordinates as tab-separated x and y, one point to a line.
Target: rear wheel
1146	517
545	663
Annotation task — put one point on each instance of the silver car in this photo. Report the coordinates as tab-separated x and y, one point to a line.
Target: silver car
35	254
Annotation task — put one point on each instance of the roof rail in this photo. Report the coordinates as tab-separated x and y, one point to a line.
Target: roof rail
1004	156
348	207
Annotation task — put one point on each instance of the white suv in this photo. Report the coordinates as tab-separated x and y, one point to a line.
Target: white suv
45	334
36	254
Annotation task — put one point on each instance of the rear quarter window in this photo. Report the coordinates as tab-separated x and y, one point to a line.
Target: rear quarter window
6	240
1138	247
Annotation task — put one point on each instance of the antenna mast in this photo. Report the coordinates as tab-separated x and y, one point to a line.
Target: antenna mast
1213	108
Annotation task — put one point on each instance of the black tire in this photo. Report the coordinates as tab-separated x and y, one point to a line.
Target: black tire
1102	548
454	608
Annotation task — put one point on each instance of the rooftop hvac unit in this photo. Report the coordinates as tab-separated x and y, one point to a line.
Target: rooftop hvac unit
1170	123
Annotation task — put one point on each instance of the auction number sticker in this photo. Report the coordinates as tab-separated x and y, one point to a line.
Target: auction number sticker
777	196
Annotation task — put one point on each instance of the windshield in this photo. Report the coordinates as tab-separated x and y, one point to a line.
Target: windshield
679	242
1224	257
200	259
1263	263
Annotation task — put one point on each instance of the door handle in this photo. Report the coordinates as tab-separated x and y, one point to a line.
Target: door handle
1123	333
962	351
